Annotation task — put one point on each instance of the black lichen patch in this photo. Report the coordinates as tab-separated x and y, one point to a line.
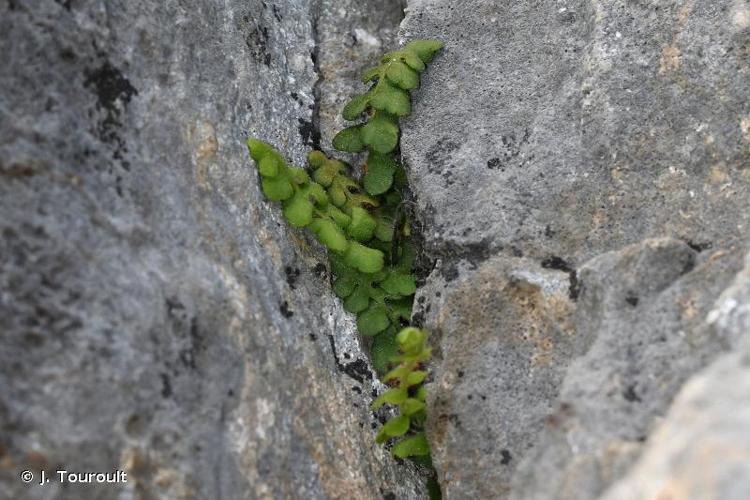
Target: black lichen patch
189	355
417	319
452	418
285	311
292	274
276	13
512	146
113	92
109	85
175	309
473	253
380	416
64	3
320	270
256	41
166	385
297	98
448	178
555	262
630	395
185	326
357	370
439	155
507	457
310	134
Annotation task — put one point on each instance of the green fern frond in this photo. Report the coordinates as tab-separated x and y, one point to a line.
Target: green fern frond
364	228
407	394
383	104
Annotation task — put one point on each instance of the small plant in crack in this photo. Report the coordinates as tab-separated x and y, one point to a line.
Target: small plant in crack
408	394
368	234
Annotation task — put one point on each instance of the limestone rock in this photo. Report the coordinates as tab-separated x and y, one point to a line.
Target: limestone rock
702	449
572	128
157	315
503	335
606	141
641	322
543	390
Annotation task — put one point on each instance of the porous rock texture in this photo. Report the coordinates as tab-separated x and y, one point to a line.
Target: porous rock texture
156	314
702	449
581	173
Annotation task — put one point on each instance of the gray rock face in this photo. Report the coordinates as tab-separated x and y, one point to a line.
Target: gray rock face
582	174
702	448
492	391
579	127
538	395
157	315
641	320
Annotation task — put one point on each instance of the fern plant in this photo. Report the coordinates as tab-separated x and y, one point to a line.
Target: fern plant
408	394
373	271
386	100
364	228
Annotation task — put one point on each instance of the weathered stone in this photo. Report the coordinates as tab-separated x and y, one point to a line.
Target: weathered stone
605	140
581	174
157	315
538	395
504	333
641	320
572	128
702	449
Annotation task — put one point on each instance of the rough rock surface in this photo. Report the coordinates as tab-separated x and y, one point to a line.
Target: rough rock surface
576	127
640	320
156	315
702	449
581	171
